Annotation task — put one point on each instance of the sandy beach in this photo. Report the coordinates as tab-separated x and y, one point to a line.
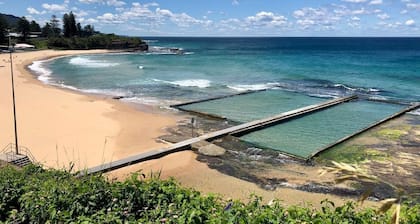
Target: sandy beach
61	126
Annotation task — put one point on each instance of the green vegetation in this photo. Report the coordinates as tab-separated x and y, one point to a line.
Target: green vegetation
35	195
350	154
347	172
3	27
390	134
97	41
72	36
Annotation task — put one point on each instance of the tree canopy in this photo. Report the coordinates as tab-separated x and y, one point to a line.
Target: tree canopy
3	29
69	25
24	27
34	27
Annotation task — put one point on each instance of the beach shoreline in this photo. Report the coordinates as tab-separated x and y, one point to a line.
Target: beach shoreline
100	129
62	127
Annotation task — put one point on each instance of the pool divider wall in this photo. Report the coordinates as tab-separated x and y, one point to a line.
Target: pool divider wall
179	105
185	145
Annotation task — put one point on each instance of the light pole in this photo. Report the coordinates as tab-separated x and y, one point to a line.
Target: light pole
13	95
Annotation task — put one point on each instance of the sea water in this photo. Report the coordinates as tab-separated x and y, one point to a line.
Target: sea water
385	68
296	71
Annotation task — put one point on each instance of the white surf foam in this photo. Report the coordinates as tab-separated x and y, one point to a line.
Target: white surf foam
151	41
254	87
323	95
374	90
344	86
90	63
149	101
378	98
108	92
42	72
200	83
415	112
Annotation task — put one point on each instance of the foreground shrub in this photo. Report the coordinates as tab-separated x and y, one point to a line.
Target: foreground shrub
35	195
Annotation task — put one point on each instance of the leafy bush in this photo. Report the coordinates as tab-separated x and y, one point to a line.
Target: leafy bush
35	195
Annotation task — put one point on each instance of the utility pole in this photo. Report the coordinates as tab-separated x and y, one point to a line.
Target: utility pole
13	96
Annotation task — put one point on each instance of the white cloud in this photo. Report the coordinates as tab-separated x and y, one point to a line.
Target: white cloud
396	25
415	6
298	13
151	4
55	7
266	19
143	15
322	17
354	22
375	2
90	1
404	11
410	22
182	19
383	16
361	11
31	10
235	2
90	21
354	1
81	13
110	18
116	3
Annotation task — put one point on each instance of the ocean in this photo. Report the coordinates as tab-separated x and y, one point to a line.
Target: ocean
296	71
384	68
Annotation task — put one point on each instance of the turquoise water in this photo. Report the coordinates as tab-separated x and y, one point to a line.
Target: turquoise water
249	107
375	67
297	72
310	133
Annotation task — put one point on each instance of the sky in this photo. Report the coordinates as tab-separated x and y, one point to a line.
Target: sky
231	17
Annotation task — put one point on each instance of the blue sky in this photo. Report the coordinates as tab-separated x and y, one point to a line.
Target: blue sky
232	17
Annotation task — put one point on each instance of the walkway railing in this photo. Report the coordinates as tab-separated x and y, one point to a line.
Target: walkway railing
10	152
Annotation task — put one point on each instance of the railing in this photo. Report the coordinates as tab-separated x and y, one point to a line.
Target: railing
10	152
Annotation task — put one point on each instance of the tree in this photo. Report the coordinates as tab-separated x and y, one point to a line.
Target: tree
79	29
3	29
34	27
66	24
69	25
47	30
23	27
89	30
55	29
72	24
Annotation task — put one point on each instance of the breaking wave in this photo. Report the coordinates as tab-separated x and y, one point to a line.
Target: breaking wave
42	72
200	83
262	86
90	63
